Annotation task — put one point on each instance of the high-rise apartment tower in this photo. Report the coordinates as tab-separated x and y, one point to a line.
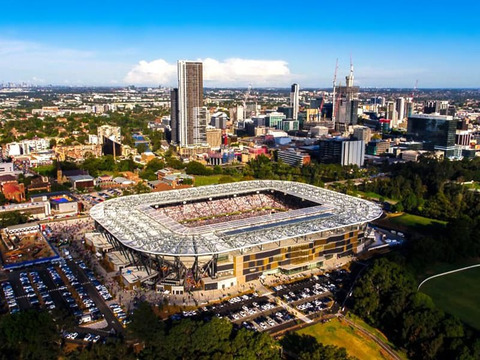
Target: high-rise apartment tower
188	116
294	100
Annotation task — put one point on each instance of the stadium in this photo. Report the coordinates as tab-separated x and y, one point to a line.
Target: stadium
218	236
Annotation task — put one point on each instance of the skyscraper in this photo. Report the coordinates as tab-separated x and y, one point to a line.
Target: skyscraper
342	151
294	100
400	105
189	118
436	131
346	106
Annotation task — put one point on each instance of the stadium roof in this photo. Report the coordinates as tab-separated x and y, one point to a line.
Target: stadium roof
134	222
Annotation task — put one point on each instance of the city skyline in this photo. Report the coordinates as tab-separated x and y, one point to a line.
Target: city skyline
262	44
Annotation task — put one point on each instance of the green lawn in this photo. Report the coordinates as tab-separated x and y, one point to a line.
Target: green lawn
457	294
45	169
411	223
415	220
207	180
341	334
370	195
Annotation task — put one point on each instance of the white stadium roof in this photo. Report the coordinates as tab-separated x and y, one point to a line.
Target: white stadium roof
134	222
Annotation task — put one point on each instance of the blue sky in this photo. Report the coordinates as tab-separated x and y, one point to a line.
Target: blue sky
263	43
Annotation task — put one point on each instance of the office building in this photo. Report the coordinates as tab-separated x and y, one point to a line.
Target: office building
290	125
409	107
342	151
287	111
463	138
107	132
391	113
188	118
294	100
174	116
259	121
275	119
346	106
293	157
435	107
200	114
362	133
400	105
437	132
214	138
219	120
378	147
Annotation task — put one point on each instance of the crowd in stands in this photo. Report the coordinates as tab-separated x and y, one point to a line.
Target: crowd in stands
216	210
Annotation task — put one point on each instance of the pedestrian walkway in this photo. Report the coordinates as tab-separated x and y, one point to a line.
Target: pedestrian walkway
290	309
96	325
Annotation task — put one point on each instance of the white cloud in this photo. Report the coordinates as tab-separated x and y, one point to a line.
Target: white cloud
37	63
230	72
153	72
241	70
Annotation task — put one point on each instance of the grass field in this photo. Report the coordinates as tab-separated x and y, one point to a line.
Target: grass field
45	169
206	180
411	223
457	294
415	220
211	179
341	334
373	196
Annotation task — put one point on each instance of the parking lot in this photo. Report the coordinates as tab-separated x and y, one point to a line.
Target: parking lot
302	300
63	285
259	313
94	198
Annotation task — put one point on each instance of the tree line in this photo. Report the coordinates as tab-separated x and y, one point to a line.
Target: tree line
386	297
34	335
431	187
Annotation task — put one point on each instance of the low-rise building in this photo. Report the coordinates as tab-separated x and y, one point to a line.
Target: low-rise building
133	277
293	157
63	205
13	191
116	261
97	243
378	147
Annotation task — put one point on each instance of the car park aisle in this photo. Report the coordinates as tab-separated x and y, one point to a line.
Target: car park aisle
93	293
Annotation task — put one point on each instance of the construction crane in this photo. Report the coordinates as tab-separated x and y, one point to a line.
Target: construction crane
334	90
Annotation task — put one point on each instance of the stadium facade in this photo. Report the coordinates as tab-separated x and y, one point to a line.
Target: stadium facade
219	236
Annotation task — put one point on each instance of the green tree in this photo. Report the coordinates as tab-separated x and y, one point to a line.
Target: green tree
141	148
226	179
196	168
29	335
11	218
145	324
